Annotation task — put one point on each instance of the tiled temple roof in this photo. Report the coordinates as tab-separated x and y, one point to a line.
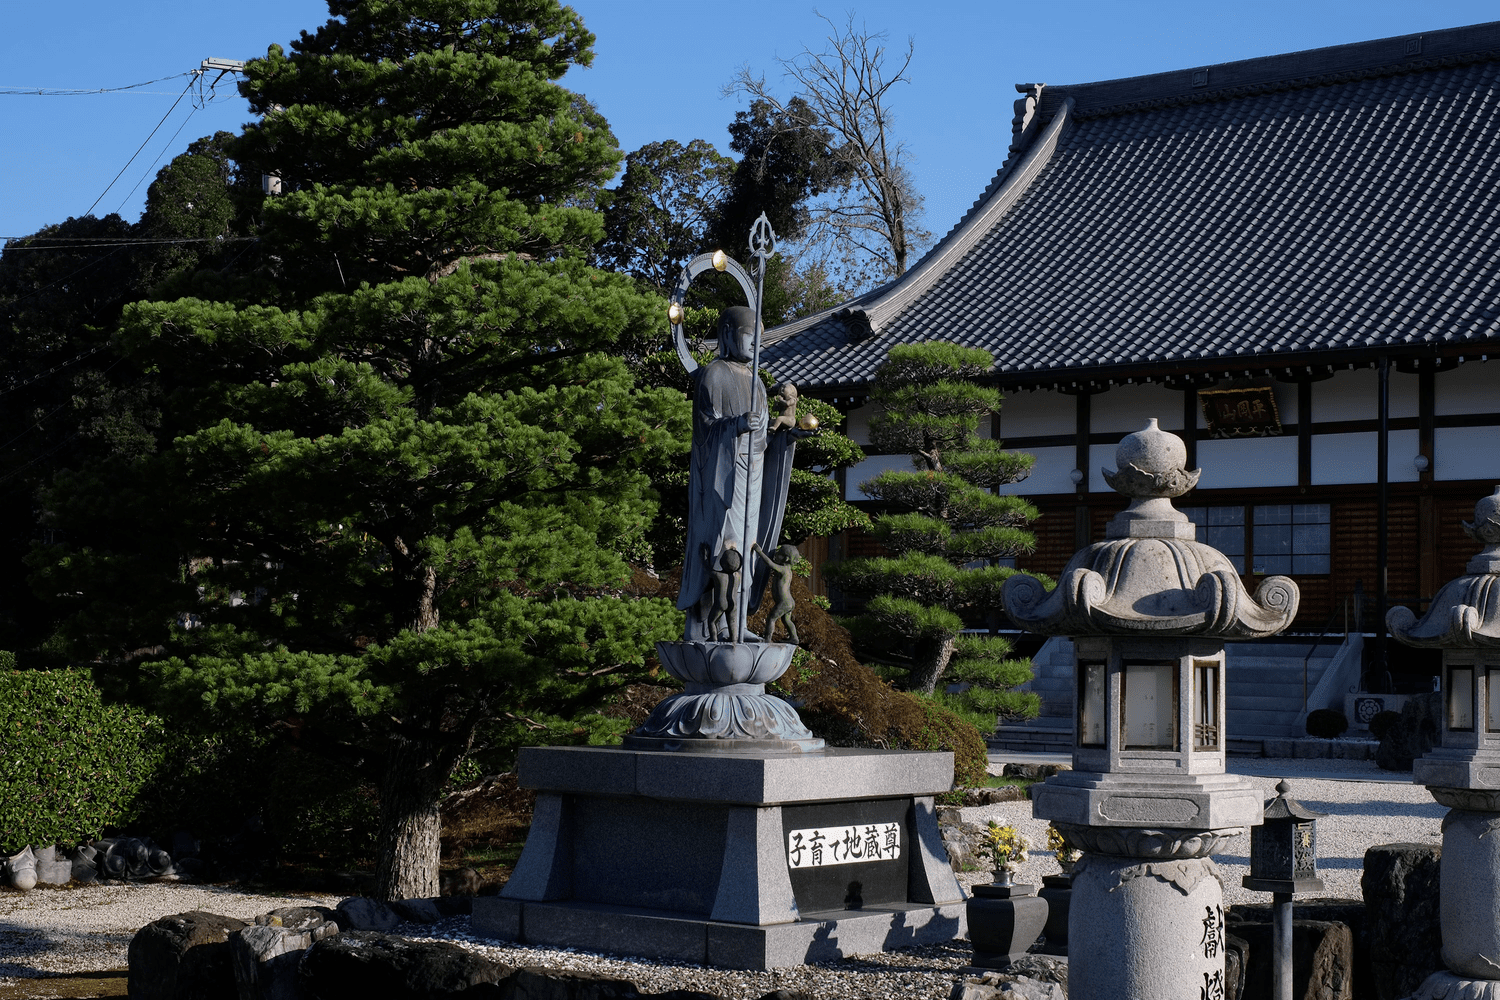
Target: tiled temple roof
1290	210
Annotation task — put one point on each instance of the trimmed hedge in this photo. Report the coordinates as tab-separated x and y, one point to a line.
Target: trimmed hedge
70	764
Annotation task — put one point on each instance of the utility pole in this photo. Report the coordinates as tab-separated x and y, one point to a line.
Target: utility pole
269	183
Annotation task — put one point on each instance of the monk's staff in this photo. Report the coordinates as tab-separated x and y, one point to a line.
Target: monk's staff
762	249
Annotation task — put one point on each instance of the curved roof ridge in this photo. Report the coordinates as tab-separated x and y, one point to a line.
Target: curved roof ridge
886	301
1395	56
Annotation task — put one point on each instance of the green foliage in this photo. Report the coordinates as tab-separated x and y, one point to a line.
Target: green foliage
399	483
657	216
73	765
945	530
1326	723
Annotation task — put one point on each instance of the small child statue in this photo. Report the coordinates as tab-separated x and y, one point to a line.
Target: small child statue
787	396
724	579
781	586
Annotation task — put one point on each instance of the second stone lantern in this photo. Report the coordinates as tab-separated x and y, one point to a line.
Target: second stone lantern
1149	609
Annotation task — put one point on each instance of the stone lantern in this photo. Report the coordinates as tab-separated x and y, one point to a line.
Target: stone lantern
1149	609
1463	771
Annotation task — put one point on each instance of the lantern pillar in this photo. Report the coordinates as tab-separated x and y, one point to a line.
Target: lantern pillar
1463	771
1148	802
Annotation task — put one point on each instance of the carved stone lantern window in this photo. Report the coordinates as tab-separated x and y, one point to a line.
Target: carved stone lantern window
1150	704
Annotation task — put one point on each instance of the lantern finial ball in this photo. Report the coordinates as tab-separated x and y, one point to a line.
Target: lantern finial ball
721	260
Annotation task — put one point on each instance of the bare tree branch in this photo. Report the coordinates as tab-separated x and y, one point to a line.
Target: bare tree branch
874	222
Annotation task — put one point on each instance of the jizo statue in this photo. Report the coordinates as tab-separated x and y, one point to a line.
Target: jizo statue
737	482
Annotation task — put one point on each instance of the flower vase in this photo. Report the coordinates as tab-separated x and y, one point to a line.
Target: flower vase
1005	919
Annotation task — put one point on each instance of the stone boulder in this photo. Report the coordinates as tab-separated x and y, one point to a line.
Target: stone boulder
960	839
459	882
1322	959
266	954
1402	924
418	911
359	965
360	913
183	957
1349	912
1236	959
1034	772
1414	734
1033	977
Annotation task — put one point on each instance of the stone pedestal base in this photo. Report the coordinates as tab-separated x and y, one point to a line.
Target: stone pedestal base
1470	894
1004	921
1447	986
750	861
1146	928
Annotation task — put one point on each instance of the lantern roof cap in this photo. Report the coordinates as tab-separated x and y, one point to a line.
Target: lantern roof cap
1150	575
1283	806
1465	614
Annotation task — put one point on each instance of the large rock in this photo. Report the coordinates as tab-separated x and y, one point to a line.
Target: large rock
359	965
1402	923
1415	734
1236	960
267	953
1322	959
1349	912
183	957
360	913
1032	977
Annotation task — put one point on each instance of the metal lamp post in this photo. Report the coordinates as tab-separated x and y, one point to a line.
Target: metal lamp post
1284	861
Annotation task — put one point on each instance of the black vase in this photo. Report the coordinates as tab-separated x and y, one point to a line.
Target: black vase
1057	890
1004	922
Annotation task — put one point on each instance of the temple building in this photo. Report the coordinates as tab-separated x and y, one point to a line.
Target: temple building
1293	262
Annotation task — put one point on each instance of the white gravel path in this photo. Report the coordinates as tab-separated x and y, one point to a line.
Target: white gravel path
68	930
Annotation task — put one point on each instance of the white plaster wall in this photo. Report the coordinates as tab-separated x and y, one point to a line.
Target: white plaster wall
1125	409
1402	468
1036	414
1101	456
1233	463
859	424
1342	458
1473	387
1355	396
1466	452
869	469
1049	475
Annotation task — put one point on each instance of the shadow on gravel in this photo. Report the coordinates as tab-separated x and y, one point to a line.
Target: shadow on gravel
1377	807
19	943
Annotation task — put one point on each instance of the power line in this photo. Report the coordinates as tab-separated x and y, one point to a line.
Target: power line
78	91
159	124
154	162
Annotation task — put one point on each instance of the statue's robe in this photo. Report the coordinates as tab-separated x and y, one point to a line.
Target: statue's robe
729	465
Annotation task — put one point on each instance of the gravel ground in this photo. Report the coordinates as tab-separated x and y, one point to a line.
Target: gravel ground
85	928
48	931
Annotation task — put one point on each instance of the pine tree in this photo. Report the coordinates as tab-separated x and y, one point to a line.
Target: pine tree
396	488
945	529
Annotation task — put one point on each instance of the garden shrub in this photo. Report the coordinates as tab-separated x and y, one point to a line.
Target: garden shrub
1326	723
71	765
1383	722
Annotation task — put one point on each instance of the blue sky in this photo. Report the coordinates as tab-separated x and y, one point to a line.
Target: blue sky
658	72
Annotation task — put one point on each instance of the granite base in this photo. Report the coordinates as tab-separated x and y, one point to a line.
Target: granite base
707	858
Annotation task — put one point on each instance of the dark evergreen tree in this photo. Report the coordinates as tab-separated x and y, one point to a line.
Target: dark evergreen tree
396	487
945	529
